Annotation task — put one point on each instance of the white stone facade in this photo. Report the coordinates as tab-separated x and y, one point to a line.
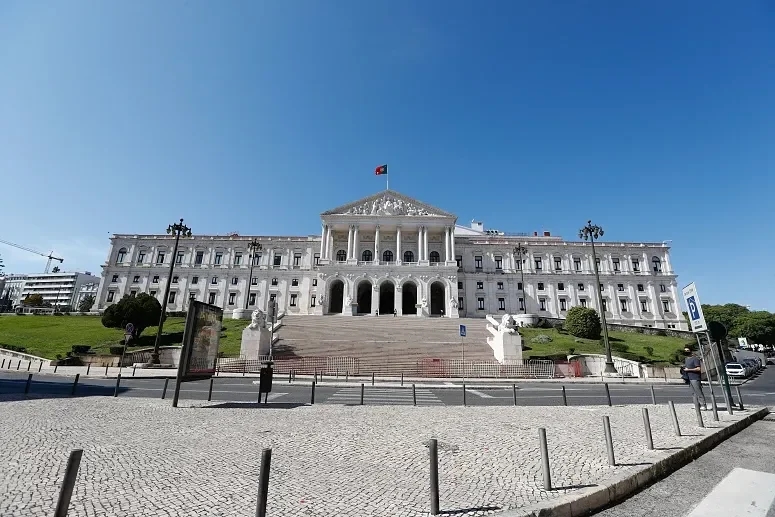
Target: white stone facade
389	252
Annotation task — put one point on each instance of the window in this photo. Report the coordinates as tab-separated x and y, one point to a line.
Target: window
218	258
557	264
616	264
274	281
563	304
293	300
234	280
542	304
605	305
153	293
540	286
278	259
296	259
111	294
312	300
408	256
657	265
640	288
480	285
623	304
519	285
114	279
121	256
500	286
387	256
538	263
160	257
214	280
171	299
256	259
480	304
252	299
498	262
644	305
501	304
200	256
179	258
460	303
583	302
478	262
434	257
174	280
518	264
155	279
232	297
254	281
314	282
133	293
577	264
136	279
635	265
141	257
662	288
561	286
620	288
237	259
580	287
459	261
670	325
211	299
295	282
460	285
194	280
341	256
521	304
191	296
602	288
272	297
666	305
316	260
367	256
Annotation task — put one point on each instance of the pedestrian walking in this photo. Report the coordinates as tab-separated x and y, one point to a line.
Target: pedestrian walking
395	312
693	371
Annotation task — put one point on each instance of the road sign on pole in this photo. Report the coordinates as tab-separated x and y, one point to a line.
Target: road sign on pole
462	331
696	317
130	328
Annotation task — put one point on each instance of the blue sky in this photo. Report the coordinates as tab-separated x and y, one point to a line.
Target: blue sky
654	119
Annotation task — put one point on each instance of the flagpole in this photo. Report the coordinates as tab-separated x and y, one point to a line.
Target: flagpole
387	181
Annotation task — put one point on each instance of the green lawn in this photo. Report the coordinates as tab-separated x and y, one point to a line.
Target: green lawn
47	336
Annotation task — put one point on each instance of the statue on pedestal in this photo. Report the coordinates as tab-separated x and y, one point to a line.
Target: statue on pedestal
257	320
348	301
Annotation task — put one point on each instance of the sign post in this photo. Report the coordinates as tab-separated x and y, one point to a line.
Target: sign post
129	332
201	337
463	349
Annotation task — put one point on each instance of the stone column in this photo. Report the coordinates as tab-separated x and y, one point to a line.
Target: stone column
376	244
452	243
330	244
323	241
446	244
425	242
350	242
398	245
419	243
356	254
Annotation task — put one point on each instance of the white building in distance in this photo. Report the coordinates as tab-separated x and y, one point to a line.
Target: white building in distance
57	289
389	252
12	287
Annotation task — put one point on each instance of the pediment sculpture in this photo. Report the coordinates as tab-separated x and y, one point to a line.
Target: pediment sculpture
387	206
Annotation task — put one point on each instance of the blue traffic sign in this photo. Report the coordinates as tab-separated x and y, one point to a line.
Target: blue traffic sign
462	331
694	312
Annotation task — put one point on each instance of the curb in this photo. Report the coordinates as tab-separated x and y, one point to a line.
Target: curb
621	487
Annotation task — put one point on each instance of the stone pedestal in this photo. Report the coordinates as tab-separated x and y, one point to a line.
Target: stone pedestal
255	342
241	314
419	309
525	320
506	342
351	310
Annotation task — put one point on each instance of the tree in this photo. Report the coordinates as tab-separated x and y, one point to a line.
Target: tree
583	322
758	327
86	304
33	300
726	314
142	311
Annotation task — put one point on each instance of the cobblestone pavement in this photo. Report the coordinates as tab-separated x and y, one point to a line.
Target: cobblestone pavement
144	458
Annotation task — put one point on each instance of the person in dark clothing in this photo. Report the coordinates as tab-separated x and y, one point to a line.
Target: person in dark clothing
693	369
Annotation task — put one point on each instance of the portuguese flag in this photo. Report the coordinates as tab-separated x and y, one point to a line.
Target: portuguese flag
381	169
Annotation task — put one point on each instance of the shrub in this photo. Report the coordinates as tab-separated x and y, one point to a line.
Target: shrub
558	326
571	351
583	322
15	348
116	350
142	311
81	349
541	338
649	350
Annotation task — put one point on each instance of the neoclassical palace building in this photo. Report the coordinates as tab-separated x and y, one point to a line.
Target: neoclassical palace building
391	254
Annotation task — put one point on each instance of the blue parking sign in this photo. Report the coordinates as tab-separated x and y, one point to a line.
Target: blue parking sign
462	331
693	305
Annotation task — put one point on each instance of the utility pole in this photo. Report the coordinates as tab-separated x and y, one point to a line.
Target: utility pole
520	251
254	248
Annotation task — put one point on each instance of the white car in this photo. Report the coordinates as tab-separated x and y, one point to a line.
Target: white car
736	370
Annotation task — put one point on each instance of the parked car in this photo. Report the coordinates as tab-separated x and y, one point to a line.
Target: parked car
736	370
753	366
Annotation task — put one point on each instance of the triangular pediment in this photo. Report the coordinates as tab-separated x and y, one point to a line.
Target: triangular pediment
389	203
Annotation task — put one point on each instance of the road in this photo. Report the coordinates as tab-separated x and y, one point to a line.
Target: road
760	391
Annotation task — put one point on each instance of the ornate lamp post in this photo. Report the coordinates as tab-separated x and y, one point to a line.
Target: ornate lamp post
178	229
589	233
254	248
519	251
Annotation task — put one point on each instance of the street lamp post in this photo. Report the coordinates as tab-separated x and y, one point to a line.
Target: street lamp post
254	248
520	252
178	229
589	233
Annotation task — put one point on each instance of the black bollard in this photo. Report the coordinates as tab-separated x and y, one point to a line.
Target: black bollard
609	441
133	370
676	426
647	429
347	376
514	391
3	365
29	363
210	392
106	369
164	391
118	383
19	364
698	412
545	459
55	367
263	482
71	472
653	396
372	378
464	394
607	393
40	367
312	394
88	367
27	386
564	397
739	398
289	376
433	447
402	378
75	384
363	388
414	395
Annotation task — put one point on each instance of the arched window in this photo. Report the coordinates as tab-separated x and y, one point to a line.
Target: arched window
434	256
387	256
121	256
657	264
341	256
408	256
366	256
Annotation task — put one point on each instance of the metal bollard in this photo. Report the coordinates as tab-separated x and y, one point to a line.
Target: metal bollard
514	392
19	364
464	394
713	404
564	397
402	378
164	391
739	398
321	377
647	429
71	472
676	427
372	378
55	367
414	395
118	383
363	389
40	366
607	393
315	377
347	376
698	412
653	396
88	367
433	447
75	384
29	364
545	459
289	376
609	441
210	392
312	394
106	369
3	365
263	482
134	367
27	386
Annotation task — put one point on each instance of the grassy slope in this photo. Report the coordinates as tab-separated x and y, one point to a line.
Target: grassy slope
47	336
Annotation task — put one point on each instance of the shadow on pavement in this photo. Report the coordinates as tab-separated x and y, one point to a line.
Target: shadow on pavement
572	487
253	405
467	510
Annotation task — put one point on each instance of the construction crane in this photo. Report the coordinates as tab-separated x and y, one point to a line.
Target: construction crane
49	255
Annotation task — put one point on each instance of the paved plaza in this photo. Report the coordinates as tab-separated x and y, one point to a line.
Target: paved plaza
144	458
